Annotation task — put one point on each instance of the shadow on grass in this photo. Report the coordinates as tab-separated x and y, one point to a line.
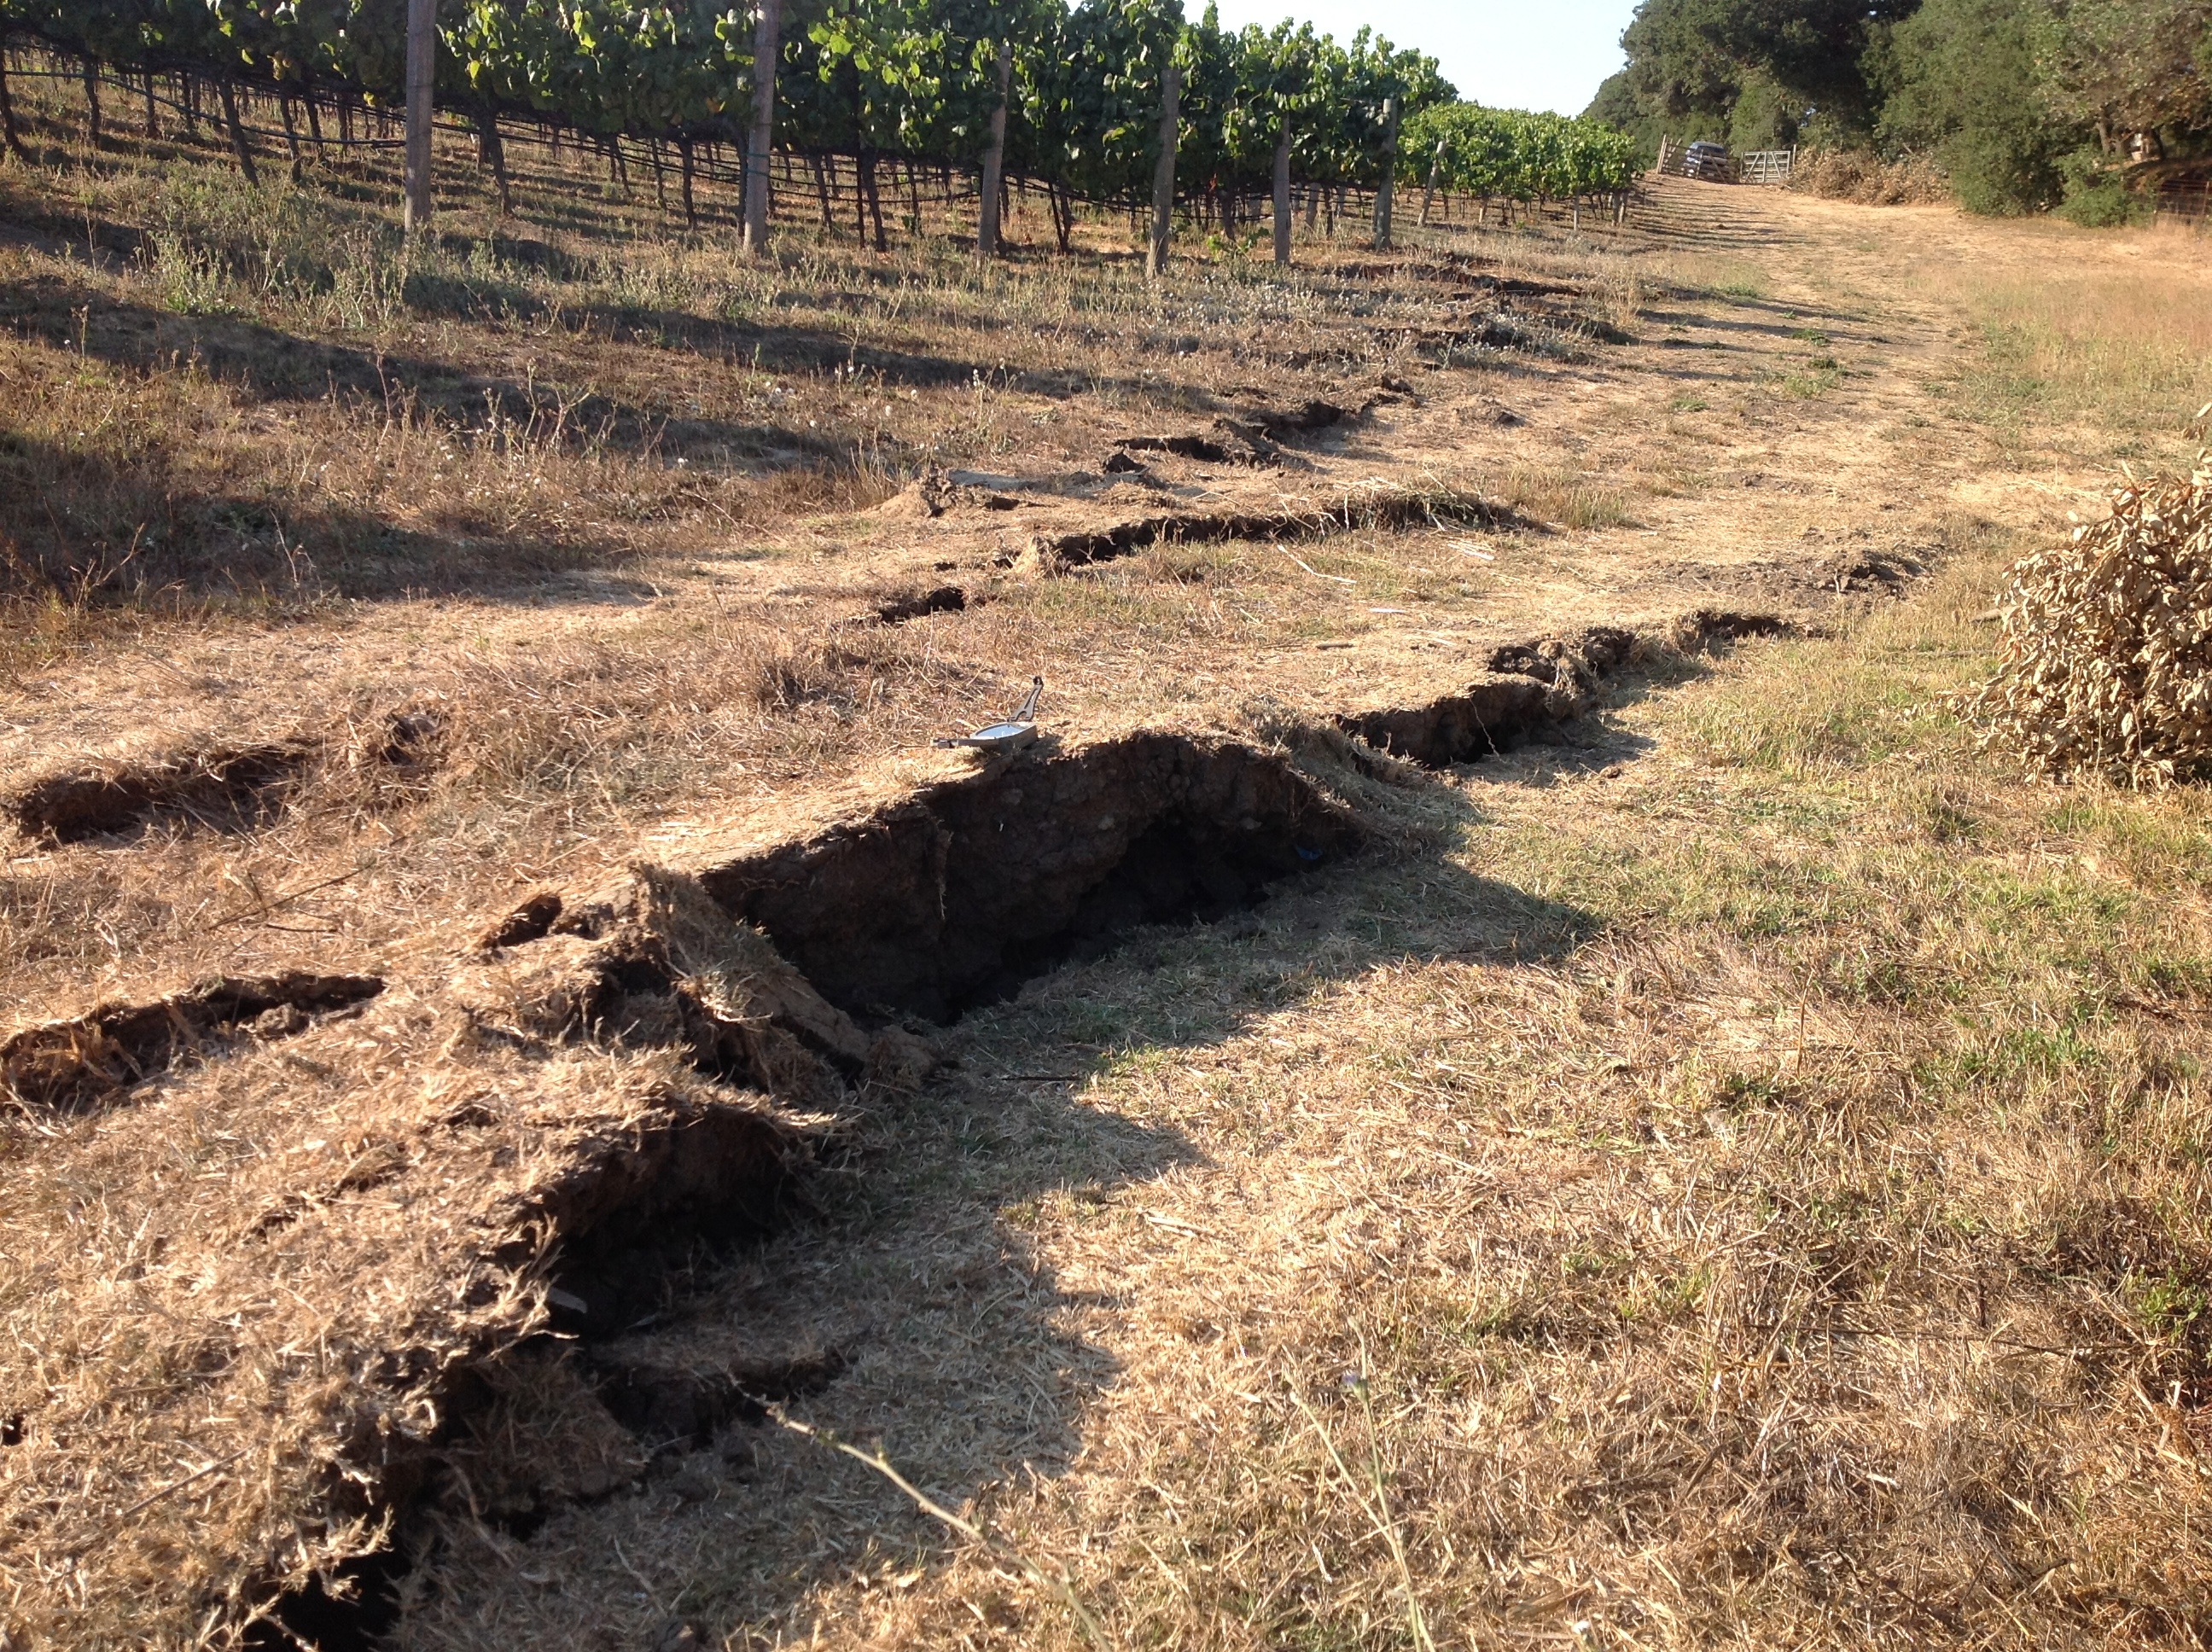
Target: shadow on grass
956	1347
84	529
270	364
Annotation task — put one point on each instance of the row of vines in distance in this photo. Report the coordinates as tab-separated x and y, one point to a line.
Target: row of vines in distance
914	79
1518	155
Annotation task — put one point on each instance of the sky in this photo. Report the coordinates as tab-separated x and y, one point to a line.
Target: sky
1511	54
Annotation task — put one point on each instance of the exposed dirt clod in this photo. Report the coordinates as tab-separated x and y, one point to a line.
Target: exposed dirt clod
1248	435
1701	626
1487	411
410	737
654	961
1815	582
527	923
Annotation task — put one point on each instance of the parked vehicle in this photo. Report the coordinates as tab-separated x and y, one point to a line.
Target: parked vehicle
1708	160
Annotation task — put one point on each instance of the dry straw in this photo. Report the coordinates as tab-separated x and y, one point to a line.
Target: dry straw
2108	643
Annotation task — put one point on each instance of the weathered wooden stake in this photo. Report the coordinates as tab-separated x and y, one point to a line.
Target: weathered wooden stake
1389	171
8	111
1283	190
1428	195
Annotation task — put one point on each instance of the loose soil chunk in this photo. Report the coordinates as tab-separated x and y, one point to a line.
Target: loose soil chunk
589	1168
1701	626
652	961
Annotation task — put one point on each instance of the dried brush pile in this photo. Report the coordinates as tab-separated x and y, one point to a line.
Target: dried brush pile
1858	175
2108	644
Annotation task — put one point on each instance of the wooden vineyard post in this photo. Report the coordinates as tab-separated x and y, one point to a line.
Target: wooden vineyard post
1429	194
421	68
1156	251
767	42
1282	192
994	160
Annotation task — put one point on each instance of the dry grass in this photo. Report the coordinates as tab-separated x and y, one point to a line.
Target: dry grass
2125	350
231	392
1815	1255
1855	175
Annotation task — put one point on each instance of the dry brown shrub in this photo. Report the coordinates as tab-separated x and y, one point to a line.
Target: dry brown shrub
2108	643
1858	175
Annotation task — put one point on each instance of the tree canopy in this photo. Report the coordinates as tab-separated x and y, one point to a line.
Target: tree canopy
2025	102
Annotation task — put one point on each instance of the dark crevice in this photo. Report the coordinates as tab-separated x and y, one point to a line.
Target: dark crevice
66	1065
1386	511
956	896
1482	720
638	1223
1533	687
231	787
1172	875
952	898
686	1407
943	599
691	1197
347	1612
1205	449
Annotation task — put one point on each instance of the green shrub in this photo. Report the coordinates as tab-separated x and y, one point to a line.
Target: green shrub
2097	196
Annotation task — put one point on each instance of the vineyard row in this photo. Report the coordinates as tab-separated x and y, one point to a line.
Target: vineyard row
1088	106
